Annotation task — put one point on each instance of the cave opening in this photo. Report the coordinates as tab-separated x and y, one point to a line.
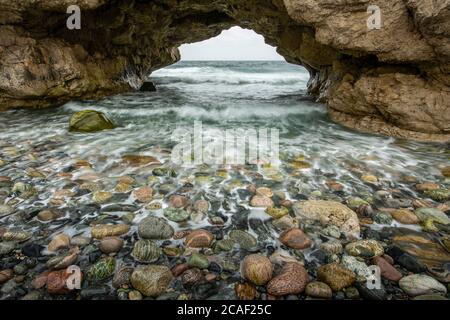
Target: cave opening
239	62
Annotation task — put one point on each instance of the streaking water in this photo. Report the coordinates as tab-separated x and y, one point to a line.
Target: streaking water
224	95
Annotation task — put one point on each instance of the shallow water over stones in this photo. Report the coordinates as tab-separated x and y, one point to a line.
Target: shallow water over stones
113	204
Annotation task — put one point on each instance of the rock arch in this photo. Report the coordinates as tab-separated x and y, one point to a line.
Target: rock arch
394	81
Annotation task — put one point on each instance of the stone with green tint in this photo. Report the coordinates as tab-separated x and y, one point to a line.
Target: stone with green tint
176	215
24	190
439	194
198	260
102	269
89	121
434	214
146	251
277	213
223	245
383	218
162	172
355	202
244	239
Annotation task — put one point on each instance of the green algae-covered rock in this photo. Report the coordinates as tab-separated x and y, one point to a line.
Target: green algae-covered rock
102	269
89	121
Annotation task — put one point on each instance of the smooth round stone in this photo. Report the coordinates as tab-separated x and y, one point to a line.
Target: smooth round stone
172	251
111	244
151	280
155	228
438	195
134	295
146	251
295	239
199	239
291	280
369	178
285	223
19	236
318	289
154	206
332	247
359	267
128	218
166	188
192	277
6	275
355	202
179	269
122	277
432	213
5	210
387	270
176	215
7	247
143	194
223	245
332	231
59	241
264	192
101	270
257	269
48	215
420	284
201	206
245	240
56	282
329	213
335	186
101	197
126	180
198	261
336	276
178	201
351	293
80	241
123	187
445	171
427	186
109	230
25	190
383	218
63	261
277	213
261	202
89	121
405	216
365	248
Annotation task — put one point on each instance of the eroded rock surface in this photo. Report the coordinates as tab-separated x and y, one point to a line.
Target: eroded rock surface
395	80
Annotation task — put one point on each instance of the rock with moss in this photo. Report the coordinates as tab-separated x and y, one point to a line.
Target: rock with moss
89	121
101	270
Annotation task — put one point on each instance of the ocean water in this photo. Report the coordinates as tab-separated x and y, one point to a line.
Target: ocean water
222	95
226	95
37	149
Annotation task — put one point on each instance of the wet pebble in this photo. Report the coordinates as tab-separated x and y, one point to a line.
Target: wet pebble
257	269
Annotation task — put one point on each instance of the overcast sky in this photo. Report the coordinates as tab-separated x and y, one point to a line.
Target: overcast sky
233	44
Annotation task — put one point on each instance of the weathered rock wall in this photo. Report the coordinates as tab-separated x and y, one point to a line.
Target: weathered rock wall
395	80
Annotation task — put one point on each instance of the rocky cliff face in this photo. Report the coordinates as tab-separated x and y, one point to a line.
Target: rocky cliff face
395	80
